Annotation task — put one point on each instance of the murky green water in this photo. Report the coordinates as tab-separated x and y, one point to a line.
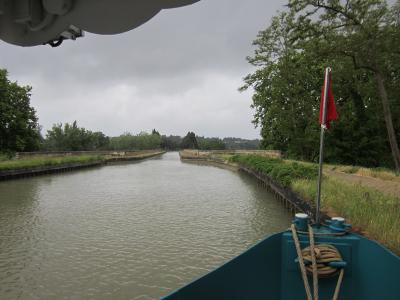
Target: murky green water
128	231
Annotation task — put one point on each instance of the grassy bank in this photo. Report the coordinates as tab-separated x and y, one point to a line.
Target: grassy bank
374	212
43	161
283	171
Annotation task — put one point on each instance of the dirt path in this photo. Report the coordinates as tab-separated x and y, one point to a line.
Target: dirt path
386	186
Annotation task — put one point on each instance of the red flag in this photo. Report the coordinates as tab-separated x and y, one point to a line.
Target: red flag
331	113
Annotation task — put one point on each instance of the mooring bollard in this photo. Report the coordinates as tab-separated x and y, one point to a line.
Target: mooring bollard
301	221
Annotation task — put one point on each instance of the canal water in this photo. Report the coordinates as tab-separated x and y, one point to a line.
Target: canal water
127	231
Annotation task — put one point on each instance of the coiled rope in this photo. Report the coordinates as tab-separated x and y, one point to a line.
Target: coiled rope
319	255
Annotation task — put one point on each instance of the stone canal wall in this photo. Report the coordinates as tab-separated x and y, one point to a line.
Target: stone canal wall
289	198
133	155
21	173
106	159
119	153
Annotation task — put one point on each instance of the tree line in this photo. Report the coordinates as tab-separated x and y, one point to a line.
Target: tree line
71	137
20	131
360	41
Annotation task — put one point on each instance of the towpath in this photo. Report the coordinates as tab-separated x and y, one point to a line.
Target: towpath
386	186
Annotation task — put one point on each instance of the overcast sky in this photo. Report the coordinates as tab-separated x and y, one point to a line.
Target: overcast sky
178	72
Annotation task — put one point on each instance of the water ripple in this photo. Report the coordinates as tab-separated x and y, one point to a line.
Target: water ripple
128	231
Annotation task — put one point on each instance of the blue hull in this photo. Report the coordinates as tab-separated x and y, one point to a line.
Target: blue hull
268	271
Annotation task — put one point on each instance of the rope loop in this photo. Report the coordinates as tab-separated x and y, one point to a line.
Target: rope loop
324	254
318	258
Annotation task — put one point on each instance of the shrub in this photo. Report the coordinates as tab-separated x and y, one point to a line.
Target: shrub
285	172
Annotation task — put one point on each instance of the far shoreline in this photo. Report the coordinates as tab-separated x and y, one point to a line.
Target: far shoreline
45	163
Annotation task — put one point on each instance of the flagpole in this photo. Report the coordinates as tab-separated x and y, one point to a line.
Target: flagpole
321	145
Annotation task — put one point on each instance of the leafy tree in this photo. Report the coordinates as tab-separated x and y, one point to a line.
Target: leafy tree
172	142
210	143
19	128
286	92
100	141
155	132
366	32
70	137
141	141
190	141
290	58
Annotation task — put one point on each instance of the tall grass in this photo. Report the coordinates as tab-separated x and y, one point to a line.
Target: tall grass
376	213
381	173
43	161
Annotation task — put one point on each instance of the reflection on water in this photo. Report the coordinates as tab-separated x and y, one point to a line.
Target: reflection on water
127	231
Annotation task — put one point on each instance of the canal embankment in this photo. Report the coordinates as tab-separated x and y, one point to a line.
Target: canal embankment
39	163
371	211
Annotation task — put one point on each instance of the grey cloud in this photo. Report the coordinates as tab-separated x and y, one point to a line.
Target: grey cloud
166	63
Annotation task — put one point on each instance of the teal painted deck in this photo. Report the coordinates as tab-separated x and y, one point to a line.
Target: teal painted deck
268	271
